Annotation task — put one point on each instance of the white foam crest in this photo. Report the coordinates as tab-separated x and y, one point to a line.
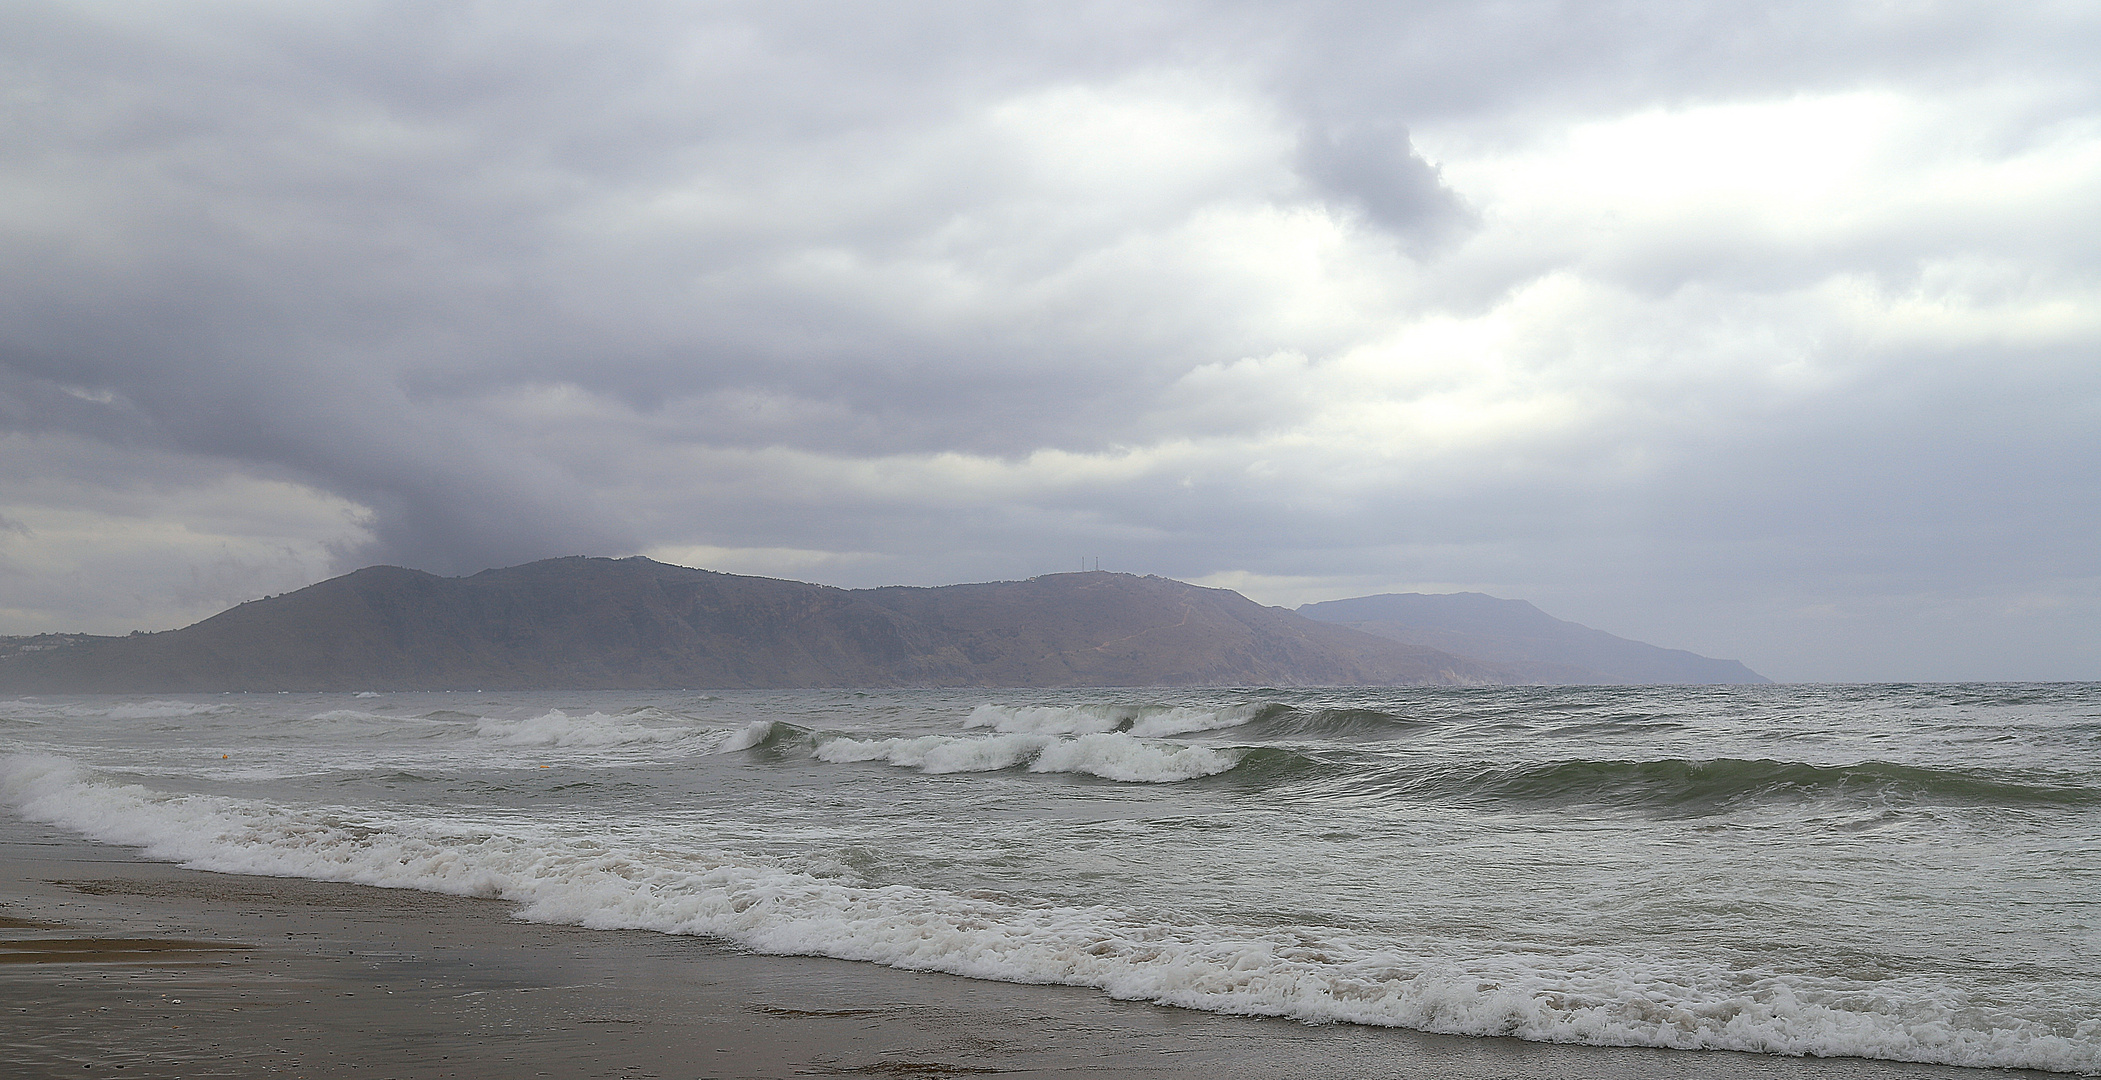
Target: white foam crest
1148	722
937	753
1111	755
558	728
1117	756
1050	719
1181	721
1297	972
746	737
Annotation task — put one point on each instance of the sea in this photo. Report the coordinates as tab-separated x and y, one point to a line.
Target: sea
1906	872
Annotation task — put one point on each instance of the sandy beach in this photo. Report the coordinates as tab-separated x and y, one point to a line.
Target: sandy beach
116	965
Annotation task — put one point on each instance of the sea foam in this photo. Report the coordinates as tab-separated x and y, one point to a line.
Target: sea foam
1111	755
1145	722
599	731
1602	997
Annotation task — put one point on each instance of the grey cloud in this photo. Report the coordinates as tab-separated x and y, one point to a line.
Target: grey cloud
331	243
1956	484
1372	168
1454	59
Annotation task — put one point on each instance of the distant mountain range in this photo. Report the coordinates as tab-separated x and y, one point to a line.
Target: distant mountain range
1533	646
590	623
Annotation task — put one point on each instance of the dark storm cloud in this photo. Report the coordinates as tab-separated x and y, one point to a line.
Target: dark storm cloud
535	279
326	228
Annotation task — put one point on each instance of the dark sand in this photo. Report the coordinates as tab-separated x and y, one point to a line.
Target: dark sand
114	966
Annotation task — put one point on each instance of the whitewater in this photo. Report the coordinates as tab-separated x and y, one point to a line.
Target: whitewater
1900	872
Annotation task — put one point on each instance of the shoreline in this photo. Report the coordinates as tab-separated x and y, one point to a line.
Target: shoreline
117	965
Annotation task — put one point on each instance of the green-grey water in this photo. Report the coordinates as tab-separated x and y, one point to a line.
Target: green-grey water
1905	872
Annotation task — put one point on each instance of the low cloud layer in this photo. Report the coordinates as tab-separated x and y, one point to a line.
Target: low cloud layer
1769	332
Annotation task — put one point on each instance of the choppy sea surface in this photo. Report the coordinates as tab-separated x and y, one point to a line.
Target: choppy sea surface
1902	872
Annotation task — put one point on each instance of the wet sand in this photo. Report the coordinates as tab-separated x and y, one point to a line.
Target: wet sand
110	965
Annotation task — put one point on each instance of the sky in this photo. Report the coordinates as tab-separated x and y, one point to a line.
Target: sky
1766	330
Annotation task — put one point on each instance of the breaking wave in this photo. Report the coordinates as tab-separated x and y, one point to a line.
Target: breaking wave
1111	755
1601	997
1141	721
598	730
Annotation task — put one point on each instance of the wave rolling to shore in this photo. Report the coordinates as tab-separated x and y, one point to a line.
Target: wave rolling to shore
1618	867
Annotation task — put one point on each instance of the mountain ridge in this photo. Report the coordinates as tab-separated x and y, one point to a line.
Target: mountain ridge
593	623
1519	636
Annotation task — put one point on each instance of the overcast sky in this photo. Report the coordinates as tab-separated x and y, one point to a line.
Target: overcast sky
1767	330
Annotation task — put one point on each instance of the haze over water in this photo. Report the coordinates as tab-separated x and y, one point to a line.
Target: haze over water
1902	872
